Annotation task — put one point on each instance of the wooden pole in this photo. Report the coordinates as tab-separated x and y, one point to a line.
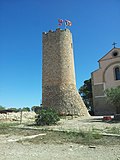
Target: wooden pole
20	116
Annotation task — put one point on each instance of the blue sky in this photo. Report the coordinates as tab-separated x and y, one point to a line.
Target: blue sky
95	26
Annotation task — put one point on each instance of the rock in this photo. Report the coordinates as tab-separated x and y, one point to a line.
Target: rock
92	147
71	146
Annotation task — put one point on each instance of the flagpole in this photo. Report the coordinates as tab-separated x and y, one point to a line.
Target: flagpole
65	24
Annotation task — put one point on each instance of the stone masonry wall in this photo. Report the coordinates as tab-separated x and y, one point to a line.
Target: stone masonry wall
58	76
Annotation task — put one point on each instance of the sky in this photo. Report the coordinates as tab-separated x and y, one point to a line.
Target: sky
95	26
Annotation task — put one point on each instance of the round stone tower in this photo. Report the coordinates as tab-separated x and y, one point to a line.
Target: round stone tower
58	75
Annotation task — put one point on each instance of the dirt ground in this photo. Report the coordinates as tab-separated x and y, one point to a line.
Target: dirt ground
15	147
26	151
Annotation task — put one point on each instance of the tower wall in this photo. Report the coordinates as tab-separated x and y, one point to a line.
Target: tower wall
58	75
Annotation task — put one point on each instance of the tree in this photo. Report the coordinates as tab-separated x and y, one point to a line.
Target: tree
2	108
113	97
13	109
86	93
26	109
36	109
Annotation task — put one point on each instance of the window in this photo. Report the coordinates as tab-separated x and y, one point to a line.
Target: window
117	73
115	54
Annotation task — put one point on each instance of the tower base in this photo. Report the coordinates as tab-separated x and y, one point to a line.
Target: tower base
65	100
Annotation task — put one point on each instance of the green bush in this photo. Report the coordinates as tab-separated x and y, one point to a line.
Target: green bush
26	109
36	109
113	97
13	109
2	108
46	117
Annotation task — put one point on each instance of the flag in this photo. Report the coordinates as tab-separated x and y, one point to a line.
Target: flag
60	22
68	23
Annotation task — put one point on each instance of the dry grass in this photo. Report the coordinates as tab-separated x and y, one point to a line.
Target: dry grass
59	137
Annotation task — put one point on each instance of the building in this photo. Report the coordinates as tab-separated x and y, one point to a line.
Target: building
58	76
107	76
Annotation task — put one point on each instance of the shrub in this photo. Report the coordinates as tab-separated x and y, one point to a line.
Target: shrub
2	108
13	109
36	109
26	109
113	97
46	117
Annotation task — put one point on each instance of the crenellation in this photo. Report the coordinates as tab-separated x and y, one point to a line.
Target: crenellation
57	30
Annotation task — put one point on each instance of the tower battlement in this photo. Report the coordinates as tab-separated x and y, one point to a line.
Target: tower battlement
55	34
57	30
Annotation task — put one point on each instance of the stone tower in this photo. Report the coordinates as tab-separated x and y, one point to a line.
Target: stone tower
58	75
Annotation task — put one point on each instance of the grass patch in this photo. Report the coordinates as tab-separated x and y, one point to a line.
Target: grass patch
113	130
85	138
91	137
5	127
61	137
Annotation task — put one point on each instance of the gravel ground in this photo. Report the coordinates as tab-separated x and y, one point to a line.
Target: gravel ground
24	150
68	151
84	124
